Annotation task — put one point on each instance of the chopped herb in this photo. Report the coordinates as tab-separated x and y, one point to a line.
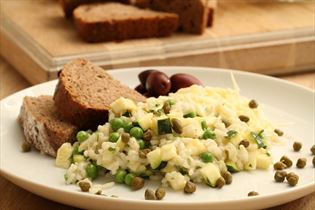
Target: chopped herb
230	134
127	114
208	134
268	154
204	125
190	115
258	137
171	102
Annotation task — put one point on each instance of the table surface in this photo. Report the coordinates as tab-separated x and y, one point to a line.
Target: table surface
18	198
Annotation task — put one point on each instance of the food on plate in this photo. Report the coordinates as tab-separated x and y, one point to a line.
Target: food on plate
280	176
115	22
292	179
313	161
69	5
297	146
313	149
42	126
156	83
253	193
287	161
182	81
85	91
301	163
25	146
197	139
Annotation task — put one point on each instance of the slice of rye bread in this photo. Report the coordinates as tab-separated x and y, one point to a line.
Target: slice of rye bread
116	22
193	14
211	8
42	125
85	91
69	5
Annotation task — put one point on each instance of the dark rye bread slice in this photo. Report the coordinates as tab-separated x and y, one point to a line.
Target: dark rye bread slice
116	22
42	125
69	5
193	14
85	91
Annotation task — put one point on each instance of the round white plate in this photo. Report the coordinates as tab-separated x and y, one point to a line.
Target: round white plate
283	103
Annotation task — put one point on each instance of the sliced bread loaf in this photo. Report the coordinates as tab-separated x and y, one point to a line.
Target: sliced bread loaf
85	91
42	125
193	14
69	5
115	22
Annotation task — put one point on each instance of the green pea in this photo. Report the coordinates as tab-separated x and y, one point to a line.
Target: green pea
204	125
128	179
82	136
91	171
120	176
208	134
136	132
117	123
141	144
127	127
190	115
76	150
113	137
206	157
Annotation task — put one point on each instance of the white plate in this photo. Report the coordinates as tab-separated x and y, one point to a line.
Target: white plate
282	102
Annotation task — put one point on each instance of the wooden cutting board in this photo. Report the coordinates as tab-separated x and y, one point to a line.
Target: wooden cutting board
261	36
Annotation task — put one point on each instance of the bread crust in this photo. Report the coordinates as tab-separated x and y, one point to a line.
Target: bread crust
69	5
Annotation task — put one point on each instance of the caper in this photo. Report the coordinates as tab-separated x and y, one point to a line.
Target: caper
220	182
284	159
137	183
190	187
245	143
177	126
252	193
279	166
25	146
226	123
297	146
314	161
149	195
227	176
278	132
280	176
125	137
147	136
166	107
292	179
253	104
313	150
160	193
301	162
143	153
84	186
243	118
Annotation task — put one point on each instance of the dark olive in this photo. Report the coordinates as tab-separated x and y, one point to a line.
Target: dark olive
158	84
183	80
140	89
144	75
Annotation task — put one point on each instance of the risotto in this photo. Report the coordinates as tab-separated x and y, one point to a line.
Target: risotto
196	134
